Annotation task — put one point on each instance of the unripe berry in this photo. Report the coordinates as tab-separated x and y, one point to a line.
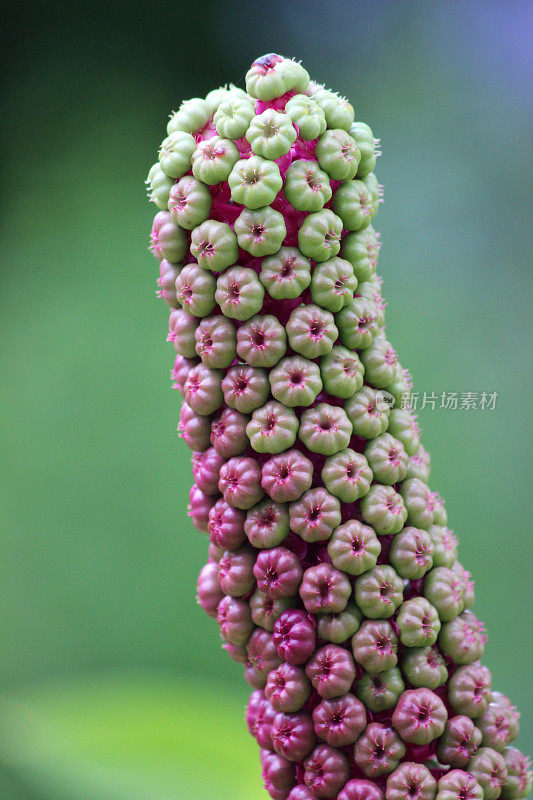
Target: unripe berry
307	115
338	111
411	780
286	274
271	134
325	429
379	750
175	153
387	459
357	323
459	742
384	510
367	148
214	245
267	524
359	789
324	589
261	342
354	548
411	553
213	160
424	666
311	331
419	716
191	116
255	182
195	290
375	646
189	202
295	381
338	154
239	293
159	186
490	771
338	627
342	372
380	691
319	235
294	636
307	187
418	622
233	117
379	592
245	388
470	690
260	232
315	515
287	476
361	249
167	240
459	785
216	341
266	610
347	475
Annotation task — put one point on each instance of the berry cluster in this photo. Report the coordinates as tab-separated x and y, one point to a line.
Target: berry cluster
332	573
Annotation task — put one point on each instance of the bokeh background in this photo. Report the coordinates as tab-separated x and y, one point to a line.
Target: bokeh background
113	685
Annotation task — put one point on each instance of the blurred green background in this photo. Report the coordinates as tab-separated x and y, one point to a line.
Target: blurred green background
112	681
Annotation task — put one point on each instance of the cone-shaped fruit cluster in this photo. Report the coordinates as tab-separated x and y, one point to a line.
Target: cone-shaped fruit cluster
332	573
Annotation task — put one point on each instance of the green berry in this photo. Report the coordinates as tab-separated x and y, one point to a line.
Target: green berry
338	155
216	341
424	667
320	234
420	466
445	591
271	134
419	502
368	413
315	515
260	232
239	293
182	332
202	389
213	160
387	459
380	692
375	646
342	372
361	249
403	426
411	553
375	191
307	116
307	186
357	323
265	610
159	186
418	622
384	510
191	117
286	274
255	182
175	154
371	290
354	548
365	142
233	117
273	428
295	381
325	429
245	388
489	769
267	524
311	331
195	290
262	341
347	475
379	592
338	111
333	284
444	545
352	202
189	202
167	239
461	639
272	76
338	628
379	361
214	245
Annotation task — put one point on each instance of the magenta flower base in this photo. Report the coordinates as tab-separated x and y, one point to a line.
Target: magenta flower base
331	571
